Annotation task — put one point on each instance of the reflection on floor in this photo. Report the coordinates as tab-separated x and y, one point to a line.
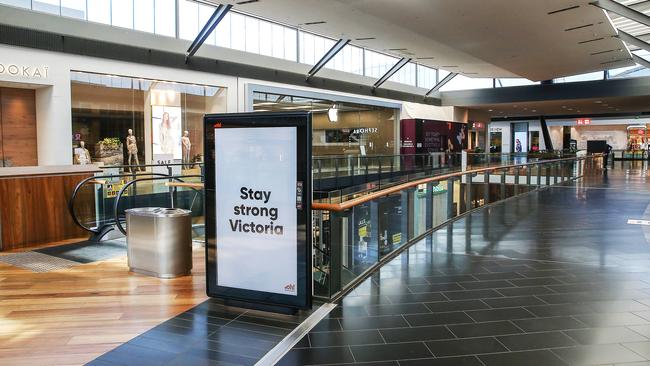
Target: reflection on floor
556	277
72	316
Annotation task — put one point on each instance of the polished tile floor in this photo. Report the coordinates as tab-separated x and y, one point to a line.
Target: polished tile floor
555	277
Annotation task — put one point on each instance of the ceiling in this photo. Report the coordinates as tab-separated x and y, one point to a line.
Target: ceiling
585	107
537	40
636	29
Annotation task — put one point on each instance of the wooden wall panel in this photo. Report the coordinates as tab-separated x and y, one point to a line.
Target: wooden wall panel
18	126
34	210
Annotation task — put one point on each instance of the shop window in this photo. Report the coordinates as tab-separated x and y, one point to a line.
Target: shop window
339	128
105	107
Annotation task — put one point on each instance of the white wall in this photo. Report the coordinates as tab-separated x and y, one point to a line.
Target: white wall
53	97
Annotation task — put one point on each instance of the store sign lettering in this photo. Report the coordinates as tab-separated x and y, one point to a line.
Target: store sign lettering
33	72
365	130
583	121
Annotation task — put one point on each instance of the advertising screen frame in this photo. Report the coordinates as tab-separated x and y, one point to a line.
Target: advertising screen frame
302	122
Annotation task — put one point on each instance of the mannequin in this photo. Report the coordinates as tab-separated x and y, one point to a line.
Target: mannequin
82	156
187	147
132	148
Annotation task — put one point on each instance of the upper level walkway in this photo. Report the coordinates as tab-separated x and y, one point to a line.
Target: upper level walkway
553	277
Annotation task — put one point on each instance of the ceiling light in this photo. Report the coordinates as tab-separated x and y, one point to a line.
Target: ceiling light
333	114
247	2
315	23
296	107
364	38
534	110
489	110
263	103
598	101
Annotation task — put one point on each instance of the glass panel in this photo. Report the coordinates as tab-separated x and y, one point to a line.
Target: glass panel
461	82
222	32
597	75
47	6
406	75
290	46
439	197
99	11
205	12
392	223
105	107
165	17
123	13
266	38
362	252
253	35
143	15
27	4
188	19
378	63
426	77
237	31
74	8
505	82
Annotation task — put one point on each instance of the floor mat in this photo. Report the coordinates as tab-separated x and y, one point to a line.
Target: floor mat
37	262
87	251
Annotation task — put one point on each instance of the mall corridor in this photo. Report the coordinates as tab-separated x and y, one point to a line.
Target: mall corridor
554	277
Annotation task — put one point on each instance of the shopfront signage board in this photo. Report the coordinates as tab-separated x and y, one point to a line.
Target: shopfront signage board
258	208
583	121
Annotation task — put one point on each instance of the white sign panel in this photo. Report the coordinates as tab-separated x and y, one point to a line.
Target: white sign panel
256	213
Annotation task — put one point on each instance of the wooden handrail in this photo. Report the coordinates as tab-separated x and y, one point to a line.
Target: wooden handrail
385	192
337	207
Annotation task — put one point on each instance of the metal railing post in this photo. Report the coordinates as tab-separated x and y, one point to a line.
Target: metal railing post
468	192
516	187
486	188
539	175
503	184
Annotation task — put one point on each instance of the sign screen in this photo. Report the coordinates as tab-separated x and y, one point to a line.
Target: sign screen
256	213
258	209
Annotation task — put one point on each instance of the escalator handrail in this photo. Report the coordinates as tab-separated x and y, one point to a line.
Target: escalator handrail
118	197
78	188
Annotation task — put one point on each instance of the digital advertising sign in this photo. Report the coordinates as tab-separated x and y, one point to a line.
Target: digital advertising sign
258	207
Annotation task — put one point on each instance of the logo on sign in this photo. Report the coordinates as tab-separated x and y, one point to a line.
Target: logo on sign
583	121
290	288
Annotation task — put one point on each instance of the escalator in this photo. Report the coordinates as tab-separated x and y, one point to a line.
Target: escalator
97	204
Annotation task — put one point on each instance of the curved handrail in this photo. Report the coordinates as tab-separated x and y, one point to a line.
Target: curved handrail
86	180
337	207
116	205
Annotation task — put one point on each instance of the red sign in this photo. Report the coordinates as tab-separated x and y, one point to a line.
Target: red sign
477	125
583	121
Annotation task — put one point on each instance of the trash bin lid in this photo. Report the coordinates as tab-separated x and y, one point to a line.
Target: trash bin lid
158	212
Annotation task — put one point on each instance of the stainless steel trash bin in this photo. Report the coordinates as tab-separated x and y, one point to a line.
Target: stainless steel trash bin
159	241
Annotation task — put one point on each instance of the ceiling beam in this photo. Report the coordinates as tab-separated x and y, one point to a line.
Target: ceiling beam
441	83
398	65
641	61
622	10
630	39
338	46
216	17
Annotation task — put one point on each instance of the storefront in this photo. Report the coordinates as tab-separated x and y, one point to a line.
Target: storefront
516	137
342	125
165	119
628	137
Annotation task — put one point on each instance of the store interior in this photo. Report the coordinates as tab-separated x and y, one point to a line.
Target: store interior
339	128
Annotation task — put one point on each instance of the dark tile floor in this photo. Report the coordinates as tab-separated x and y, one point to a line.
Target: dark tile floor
555	277
208	334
